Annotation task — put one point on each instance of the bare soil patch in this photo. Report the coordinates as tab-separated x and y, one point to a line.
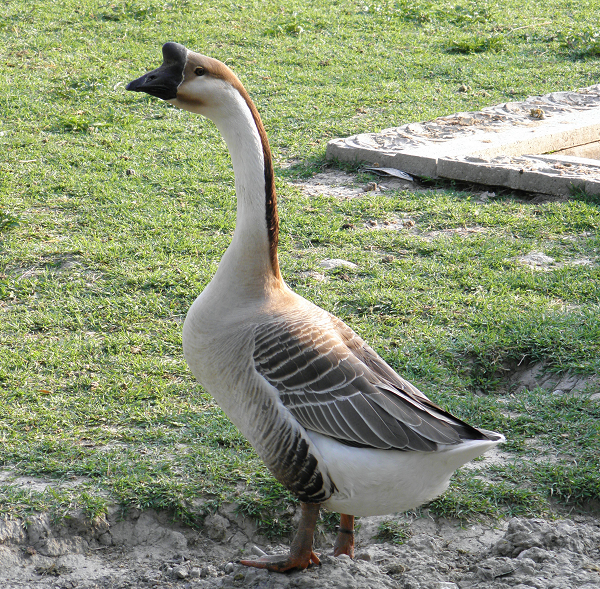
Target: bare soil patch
532	375
146	549
343	185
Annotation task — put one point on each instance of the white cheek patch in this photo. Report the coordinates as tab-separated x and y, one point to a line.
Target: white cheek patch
204	95
210	90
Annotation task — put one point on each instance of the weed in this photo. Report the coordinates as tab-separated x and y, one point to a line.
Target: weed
271	511
393	531
476	43
577	484
581	43
124	11
475	498
290	26
330	521
428	11
7	221
16	502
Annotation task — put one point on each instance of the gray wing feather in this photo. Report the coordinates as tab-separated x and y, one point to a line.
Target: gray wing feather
334	384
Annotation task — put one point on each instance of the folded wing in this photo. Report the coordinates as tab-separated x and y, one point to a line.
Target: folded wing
333	383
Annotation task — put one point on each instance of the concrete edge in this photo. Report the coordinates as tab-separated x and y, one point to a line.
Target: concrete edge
478	153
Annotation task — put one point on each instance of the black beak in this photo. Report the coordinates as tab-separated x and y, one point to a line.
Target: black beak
164	80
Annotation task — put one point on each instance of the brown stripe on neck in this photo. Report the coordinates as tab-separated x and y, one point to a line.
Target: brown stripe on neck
272	217
220	70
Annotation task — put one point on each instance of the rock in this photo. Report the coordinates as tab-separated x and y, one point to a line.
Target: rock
216	526
256	550
195	573
181	572
389	225
38	529
105	539
487	147
524	534
330	264
522	553
531	376
255	577
566	535
364	555
568	382
525	566
209	571
493	568
535	554
536	259
396	568
11	531
314	275
59	546
423	544
146	530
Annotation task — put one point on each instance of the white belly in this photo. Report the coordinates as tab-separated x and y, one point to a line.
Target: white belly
378	482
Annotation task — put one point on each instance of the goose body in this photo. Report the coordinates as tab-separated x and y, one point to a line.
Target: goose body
222	350
331	420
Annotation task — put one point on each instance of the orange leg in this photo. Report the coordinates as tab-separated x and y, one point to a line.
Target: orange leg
301	553
344	543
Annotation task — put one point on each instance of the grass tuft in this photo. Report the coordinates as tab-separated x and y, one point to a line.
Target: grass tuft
476	43
272	507
474	498
392	531
581	43
579	193
7	221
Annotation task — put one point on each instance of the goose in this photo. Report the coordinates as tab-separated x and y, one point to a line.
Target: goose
330	418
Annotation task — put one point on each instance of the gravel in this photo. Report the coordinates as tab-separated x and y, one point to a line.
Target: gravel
147	550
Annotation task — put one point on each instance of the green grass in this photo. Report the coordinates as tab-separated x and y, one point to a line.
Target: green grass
392	531
551	459
582	42
115	210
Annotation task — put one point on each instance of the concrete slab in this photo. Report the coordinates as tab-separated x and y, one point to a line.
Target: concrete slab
502	145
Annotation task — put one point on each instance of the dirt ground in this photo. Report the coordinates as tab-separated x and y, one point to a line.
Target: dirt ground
146	550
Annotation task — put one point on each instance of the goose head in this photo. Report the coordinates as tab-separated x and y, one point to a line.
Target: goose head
191	81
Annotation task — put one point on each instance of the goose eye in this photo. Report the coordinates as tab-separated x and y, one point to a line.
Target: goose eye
199	71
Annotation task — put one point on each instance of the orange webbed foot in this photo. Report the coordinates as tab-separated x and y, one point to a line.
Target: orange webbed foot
301	554
281	563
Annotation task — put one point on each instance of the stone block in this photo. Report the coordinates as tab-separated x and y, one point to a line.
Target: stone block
502	145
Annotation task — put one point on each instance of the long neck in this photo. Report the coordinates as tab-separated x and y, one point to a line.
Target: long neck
252	255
